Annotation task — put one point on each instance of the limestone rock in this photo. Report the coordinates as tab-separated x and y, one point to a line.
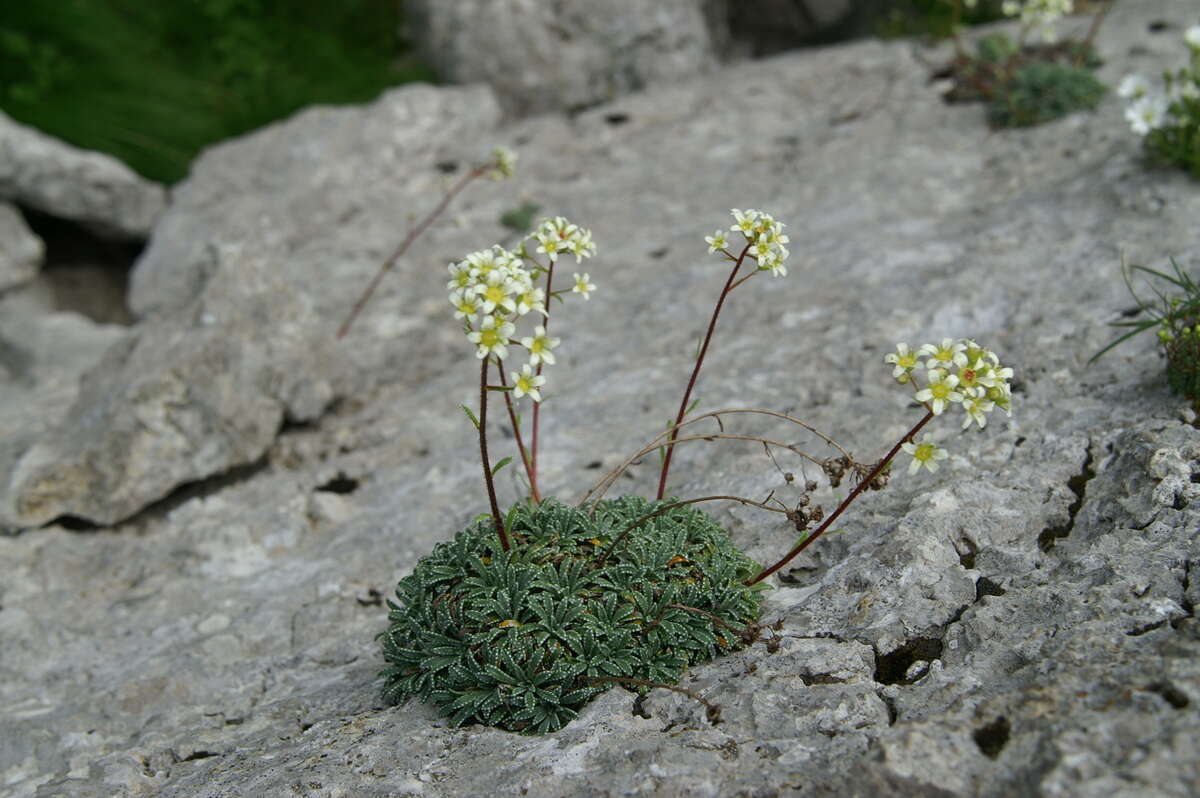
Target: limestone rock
1020	623
20	249
88	187
555	56
239	338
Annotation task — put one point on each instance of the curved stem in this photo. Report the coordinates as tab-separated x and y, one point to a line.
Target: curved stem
412	236
859	488
687	393
608	479
483	453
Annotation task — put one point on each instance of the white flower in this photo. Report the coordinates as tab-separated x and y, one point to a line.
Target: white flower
1133	87
949	353
976	408
530	300
460	276
1147	114
940	390
492	337
497	291
582	284
744	223
1192	37
903	361
1001	395
717	241
466	306
526	382
775	264
581	245
504	162
763	252
540	346
923	454
1039	14
487	261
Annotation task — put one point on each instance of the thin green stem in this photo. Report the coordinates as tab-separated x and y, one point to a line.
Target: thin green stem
483	453
687	393
854	494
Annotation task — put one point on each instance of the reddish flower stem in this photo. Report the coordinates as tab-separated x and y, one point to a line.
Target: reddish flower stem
859	488
537	406
412	236
512	417
483	453
687	393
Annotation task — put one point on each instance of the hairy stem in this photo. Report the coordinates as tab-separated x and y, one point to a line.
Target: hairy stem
412	236
687	393
483	453
858	489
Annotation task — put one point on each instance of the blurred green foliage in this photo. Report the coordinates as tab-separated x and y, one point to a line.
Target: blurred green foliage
1042	92
154	81
932	17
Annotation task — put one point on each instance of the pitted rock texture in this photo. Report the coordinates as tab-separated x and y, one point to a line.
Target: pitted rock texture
1021	623
87	187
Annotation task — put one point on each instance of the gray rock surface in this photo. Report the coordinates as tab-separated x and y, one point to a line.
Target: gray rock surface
566	55
575	54
95	189
237	337
20	249
1022	622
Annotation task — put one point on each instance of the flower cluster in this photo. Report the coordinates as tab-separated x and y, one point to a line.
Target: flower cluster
492	289
957	372
504	163
1039	15
1171	113
764	236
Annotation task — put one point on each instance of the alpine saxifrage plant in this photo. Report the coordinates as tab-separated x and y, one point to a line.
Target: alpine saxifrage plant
527	615
521	639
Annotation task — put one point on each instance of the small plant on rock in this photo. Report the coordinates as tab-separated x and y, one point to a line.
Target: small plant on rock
1026	83
1169	120
527	614
1175	318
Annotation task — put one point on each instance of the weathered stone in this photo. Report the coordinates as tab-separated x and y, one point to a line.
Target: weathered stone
64	181
1020	623
555	56
251	342
20	249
